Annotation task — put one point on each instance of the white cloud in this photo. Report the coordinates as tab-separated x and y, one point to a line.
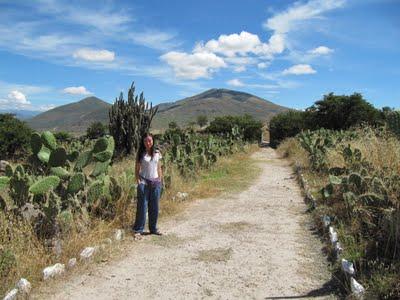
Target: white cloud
18	97
193	66
242	44
46	107
287	21
77	90
155	39
15	100
235	82
321	50
262	65
94	55
299	70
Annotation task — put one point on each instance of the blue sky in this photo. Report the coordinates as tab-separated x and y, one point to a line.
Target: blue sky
289	52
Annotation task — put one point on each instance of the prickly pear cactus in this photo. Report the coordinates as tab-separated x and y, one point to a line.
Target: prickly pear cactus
44	185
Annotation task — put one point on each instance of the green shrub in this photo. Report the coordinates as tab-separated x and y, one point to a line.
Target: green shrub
246	124
286	124
15	137
96	130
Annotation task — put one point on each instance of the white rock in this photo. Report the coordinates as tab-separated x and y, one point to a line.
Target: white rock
333	235
338	248
24	286
71	263
356	288
181	196
53	271
87	253
119	234
11	295
347	267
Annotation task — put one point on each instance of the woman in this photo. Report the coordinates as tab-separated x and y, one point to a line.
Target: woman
148	176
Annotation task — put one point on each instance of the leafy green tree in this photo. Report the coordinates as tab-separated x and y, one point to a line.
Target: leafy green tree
15	136
286	124
96	130
202	120
342	112
250	127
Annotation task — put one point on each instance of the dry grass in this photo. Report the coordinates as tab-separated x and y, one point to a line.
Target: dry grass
292	149
32	256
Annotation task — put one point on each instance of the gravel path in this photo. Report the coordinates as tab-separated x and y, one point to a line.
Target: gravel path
252	245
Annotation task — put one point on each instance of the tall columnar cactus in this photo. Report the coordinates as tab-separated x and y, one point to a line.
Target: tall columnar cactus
129	120
393	121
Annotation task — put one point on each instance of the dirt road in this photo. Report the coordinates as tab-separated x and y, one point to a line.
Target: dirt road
253	245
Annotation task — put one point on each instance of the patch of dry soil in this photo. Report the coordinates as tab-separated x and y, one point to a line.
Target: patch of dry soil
253	245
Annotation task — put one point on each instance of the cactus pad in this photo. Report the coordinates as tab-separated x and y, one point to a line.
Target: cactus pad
58	157
100	145
49	140
60	172
95	191
100	168
103	156
44	185
76	183
9	171
4	181
83	160
44	154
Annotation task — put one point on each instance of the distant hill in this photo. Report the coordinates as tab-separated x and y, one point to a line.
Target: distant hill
213	103
74	117
20	114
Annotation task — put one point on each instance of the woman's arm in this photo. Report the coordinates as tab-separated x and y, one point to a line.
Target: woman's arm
159	170
137	169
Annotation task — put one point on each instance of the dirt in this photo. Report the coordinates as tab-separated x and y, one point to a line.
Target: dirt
256	244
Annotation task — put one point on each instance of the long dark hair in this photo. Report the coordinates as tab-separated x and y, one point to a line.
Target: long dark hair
142	149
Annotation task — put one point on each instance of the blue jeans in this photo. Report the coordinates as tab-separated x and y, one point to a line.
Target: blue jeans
147	196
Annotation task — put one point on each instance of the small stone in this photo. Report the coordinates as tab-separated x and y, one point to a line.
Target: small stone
347	267
24	286
53	271
71	263
87	253
12	295
326	220
181	196
119	234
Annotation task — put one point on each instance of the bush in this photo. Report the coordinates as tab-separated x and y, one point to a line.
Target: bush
15	137
286	124
96	130
332	112
250	127
63	136
342	112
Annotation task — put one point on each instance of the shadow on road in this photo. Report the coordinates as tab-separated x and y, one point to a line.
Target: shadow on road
329	288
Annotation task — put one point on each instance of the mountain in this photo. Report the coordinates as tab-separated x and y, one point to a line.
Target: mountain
74	117
21	114
213	103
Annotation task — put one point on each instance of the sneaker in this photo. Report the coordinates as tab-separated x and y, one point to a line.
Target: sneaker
137	236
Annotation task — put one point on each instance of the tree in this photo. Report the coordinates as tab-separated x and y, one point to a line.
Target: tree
286	124
96	130
202	120
341	112
15	137
250	127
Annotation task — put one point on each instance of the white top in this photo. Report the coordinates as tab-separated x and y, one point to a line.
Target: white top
148	166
